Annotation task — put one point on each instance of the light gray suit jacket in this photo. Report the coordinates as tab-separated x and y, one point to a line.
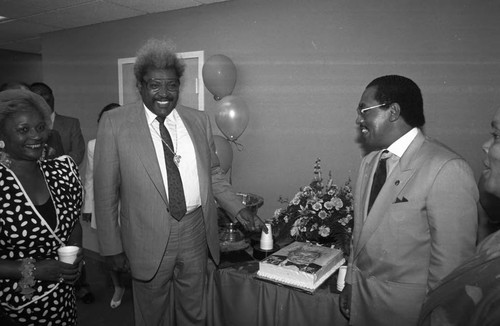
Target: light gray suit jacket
421	226
126	171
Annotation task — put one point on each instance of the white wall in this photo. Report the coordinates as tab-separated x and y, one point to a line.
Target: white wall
302	66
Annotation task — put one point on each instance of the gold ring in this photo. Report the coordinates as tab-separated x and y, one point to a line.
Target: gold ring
61	279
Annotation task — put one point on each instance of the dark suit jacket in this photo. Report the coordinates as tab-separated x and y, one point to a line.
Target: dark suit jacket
422	225
54	143
127	173
71	136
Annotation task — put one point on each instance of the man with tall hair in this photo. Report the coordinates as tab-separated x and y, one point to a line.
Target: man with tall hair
156	158
68	127
415	209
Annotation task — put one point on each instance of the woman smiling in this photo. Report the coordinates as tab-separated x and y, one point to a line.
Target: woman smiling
40	205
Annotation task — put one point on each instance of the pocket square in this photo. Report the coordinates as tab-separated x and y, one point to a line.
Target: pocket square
401	200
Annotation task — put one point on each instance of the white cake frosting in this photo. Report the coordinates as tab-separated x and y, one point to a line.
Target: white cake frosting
302	265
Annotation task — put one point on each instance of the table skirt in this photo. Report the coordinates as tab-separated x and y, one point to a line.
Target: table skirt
236	297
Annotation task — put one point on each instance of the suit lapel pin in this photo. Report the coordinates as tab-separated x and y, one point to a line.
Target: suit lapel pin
396	183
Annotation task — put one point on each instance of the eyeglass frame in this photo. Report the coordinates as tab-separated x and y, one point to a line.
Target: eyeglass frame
164	82
362	111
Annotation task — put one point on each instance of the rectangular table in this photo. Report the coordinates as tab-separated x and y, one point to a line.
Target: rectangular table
236	297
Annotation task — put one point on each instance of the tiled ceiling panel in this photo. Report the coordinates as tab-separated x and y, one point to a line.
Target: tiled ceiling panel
27	19
85	14
26	8
153	6
20	29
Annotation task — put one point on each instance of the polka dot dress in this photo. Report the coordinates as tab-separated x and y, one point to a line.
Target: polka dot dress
24	233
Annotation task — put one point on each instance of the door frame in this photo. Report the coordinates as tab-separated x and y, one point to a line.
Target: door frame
200	86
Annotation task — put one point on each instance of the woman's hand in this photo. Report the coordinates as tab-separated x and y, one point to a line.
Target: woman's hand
55	271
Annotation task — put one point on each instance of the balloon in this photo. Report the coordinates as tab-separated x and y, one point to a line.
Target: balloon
231	117
224	152
219	75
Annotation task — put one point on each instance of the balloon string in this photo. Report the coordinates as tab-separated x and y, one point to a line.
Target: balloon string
239	146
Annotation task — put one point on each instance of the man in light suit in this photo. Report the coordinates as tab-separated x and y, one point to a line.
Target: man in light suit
423	222
167	253
68	128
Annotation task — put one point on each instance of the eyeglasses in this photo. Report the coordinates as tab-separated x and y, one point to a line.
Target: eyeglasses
362	111
154	85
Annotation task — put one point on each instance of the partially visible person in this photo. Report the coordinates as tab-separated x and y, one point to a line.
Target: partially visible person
67	127
89	214
489	180
156	170
470	295
489	189
415	209
40	205
488	219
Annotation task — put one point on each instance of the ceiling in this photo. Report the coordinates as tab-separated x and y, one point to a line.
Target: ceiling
26	20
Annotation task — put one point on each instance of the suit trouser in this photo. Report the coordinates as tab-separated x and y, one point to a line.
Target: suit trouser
177	293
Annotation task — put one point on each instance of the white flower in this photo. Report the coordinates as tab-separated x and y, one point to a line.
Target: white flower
295	200
322	214
337	202
329	205
278	212
317	206
324	231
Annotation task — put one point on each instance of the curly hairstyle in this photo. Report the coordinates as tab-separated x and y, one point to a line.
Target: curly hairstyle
157	54
404	91
14	100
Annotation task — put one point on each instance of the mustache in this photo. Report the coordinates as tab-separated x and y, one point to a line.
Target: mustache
167	97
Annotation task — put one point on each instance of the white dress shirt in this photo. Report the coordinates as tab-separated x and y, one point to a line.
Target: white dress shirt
399	147
184	147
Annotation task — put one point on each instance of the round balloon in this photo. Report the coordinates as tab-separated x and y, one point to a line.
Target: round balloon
231	116
224	152
219	75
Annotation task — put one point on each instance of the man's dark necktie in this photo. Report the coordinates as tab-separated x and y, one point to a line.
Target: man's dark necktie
378	178
176	199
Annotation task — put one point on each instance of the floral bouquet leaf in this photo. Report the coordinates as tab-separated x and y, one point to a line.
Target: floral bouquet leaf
317	213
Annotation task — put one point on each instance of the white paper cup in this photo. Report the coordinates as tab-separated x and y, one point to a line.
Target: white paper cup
67	254
341	277
266	239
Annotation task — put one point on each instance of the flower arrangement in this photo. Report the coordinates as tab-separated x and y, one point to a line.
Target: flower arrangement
317	213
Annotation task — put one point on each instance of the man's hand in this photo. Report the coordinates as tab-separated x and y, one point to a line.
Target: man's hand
345	301
118	263
250	221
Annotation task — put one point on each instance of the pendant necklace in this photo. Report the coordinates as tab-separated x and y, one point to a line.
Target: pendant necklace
177	157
